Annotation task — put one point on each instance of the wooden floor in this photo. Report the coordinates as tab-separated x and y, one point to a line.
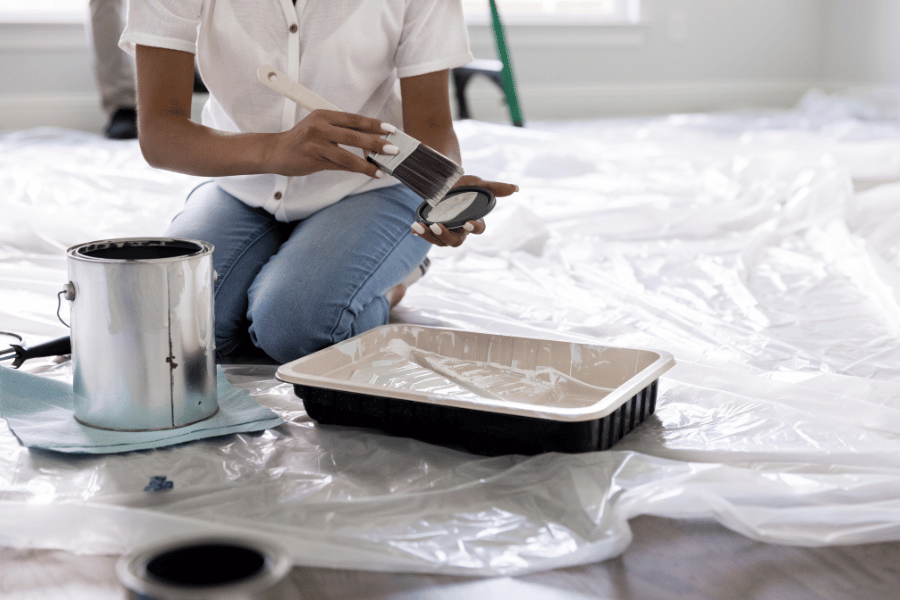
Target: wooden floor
668	560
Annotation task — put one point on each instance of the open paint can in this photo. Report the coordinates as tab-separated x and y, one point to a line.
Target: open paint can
461	204
215	568
143	347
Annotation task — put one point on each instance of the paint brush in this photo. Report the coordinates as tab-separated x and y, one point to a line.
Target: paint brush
424	170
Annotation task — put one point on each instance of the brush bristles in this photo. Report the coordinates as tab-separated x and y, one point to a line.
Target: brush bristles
428	173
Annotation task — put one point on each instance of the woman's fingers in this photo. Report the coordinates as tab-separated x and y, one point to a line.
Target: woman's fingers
335	158
364	141
324	140
356	131
476	227
446	237
439	235
355	122
498	188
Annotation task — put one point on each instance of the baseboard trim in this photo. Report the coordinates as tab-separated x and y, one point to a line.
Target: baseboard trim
584	36
80	111
545	102
549	102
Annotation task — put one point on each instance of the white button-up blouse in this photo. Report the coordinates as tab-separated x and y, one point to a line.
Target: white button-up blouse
351	52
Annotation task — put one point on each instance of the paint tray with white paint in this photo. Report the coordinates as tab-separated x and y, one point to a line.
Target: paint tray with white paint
488	394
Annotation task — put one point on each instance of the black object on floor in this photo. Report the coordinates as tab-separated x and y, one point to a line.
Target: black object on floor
19	353
123	125
498	71
479	432
206	564
492	69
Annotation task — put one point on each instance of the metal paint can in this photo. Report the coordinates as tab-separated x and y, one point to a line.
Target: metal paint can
213	568
143	347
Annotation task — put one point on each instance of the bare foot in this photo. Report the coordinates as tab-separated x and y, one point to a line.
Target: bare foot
395	294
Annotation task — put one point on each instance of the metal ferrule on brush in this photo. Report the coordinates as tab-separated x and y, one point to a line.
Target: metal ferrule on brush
425	171
387	162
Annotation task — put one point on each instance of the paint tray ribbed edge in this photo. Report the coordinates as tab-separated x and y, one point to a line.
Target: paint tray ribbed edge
486	393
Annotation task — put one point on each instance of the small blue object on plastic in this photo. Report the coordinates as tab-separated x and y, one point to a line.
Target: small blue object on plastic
159	483
40	412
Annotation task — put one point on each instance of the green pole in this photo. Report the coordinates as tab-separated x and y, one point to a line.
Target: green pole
509	82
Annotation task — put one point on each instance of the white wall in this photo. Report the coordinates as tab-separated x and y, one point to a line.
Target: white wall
46	78
863	41
686	55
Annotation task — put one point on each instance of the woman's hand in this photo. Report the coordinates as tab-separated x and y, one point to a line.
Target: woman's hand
427	117
439	235
312	144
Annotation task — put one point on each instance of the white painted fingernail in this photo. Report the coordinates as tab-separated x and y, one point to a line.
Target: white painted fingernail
379	174
435	229
418	228
390	149
517	188
468	227
388	127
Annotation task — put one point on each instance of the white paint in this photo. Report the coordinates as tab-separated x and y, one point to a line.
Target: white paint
400	366
450	208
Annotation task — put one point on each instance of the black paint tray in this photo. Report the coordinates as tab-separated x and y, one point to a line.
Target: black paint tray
488	394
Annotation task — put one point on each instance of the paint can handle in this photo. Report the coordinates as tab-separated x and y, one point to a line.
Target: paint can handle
68	292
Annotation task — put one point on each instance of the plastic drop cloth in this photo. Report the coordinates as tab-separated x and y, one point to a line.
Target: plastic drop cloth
735	241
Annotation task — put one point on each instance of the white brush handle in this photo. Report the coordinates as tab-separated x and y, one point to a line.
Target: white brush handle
287	87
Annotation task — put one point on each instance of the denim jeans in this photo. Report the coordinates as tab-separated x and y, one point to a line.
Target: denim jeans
291	289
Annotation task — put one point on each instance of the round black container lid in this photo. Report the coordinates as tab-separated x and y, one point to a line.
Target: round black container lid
206	565
462	204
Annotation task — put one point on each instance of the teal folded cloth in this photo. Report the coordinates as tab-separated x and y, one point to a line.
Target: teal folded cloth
40	412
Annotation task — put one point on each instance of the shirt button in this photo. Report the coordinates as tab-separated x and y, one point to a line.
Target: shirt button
278	195
294	28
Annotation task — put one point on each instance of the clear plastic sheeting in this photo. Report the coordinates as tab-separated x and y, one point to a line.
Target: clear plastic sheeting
761	249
